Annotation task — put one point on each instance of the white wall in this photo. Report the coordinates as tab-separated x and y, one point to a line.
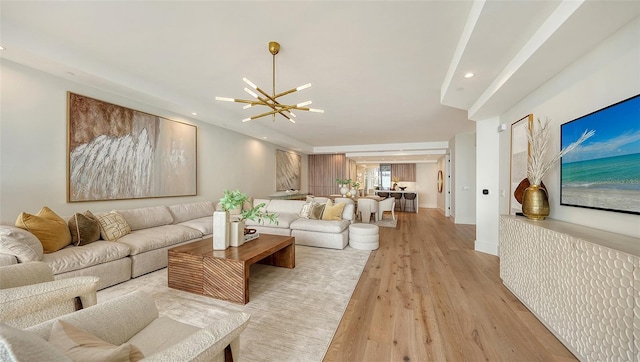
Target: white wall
426	174
606	75
463	178
487	171
33	156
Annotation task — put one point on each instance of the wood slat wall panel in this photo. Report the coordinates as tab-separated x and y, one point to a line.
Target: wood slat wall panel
323	172
404	171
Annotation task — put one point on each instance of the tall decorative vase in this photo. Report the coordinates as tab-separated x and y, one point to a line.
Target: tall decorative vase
220	230
236	234
535	203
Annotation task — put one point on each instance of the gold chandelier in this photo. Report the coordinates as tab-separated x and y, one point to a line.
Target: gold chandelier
270	101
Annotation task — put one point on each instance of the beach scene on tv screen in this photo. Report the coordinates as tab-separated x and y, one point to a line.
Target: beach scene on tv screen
604	171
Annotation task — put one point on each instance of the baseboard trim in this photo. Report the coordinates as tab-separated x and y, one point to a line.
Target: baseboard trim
485	247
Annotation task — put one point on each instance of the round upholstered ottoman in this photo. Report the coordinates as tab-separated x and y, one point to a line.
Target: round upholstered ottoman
363	236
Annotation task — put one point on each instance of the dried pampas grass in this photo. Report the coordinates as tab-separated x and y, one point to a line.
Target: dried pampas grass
538	141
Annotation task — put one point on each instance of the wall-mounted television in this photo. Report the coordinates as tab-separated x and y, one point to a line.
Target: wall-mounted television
604	172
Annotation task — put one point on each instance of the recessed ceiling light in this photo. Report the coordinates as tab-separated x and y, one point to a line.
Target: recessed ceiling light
469	75
194	113
1	47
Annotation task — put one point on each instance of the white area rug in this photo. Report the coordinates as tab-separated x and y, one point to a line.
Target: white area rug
294	312
388	223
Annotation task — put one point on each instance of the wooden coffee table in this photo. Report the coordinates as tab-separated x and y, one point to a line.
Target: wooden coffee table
224	274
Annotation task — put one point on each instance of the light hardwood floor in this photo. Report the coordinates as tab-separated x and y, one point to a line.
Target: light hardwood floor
426	295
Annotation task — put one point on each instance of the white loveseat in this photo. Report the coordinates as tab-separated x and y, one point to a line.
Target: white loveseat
154	230
320	233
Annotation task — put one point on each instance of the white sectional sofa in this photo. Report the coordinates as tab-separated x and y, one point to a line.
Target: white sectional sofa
154	230
320	233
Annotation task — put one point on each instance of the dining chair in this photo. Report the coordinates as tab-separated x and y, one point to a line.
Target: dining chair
398	197
366	207
383	194
410	196
388	204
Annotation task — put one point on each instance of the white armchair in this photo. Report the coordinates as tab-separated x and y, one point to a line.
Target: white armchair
366	207
388	204
29	294
130	322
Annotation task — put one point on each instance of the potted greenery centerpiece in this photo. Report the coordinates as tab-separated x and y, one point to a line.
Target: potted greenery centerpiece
344	185
354	188
234	200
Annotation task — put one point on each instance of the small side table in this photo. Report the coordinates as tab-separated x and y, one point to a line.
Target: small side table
364	236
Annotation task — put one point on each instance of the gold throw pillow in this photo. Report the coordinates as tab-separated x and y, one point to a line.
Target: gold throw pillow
333	212
48	227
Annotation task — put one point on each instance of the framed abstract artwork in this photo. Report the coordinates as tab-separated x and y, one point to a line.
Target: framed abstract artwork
519	159
288	170
117	153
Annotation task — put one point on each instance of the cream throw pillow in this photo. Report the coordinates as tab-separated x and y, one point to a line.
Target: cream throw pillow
305	212
21	243
113	226
19	345
80	345
48	227
333	212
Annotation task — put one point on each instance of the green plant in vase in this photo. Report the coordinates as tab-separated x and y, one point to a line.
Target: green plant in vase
344	185
234	200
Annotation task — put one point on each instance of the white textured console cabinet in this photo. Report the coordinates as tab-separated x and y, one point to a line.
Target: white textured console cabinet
582	283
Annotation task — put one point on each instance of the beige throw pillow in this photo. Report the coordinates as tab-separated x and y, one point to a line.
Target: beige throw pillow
113	226
21	243
333	212
19	345
80	345
305	212
84	228
48	227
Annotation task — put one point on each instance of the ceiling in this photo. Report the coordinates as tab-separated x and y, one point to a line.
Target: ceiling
388	74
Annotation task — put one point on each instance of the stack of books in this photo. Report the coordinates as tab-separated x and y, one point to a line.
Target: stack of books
249	237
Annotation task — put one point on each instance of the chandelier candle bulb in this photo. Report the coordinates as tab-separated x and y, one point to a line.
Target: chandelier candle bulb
225	99
250	92
250	83
308	85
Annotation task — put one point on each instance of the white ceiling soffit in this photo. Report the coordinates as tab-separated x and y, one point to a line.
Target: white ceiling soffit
517	46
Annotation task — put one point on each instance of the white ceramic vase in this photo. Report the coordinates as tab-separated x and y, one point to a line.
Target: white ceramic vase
343	190
236	233
220	230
